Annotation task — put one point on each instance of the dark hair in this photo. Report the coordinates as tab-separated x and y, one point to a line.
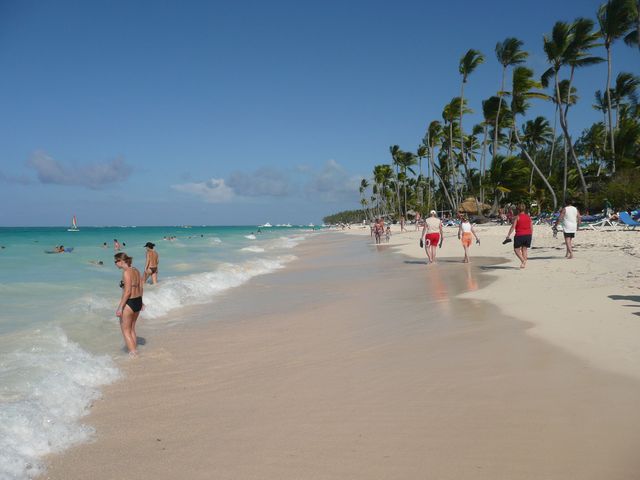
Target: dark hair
522	208
123	256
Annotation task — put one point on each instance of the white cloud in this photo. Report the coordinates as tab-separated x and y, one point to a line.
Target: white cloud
263	182
95	175
213	190
333	183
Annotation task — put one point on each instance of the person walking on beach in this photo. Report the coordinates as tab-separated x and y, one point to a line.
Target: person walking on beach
433	235
465	232
523	227
402	224
151	263
570	218
130	302
417	220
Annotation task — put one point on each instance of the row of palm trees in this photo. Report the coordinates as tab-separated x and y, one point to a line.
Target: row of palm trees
501	159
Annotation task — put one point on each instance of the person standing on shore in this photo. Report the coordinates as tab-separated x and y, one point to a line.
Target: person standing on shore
151	263
130	302
570	218
379	230
417	221
465	232
401	224
523	227
433	235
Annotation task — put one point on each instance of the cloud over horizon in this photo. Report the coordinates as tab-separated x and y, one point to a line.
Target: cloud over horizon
93	176
333	183
213	190
265	181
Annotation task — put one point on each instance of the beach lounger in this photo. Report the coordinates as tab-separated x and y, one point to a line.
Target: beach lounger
602	224
628	222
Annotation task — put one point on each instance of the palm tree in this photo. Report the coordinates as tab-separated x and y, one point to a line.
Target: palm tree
434	139
521	93
395	152
406	160
509	54
633	37
364	184
468	63
536	133
615	18
626	86
568	44
421	152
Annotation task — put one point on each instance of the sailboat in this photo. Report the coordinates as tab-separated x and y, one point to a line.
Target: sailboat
74	225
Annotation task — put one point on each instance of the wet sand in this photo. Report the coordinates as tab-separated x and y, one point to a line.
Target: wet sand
356	362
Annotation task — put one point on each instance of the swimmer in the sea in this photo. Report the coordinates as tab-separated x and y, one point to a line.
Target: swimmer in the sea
151	264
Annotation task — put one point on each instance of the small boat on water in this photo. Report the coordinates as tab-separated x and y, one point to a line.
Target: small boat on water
74	225
266	225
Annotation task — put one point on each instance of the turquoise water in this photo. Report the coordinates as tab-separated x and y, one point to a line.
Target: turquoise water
58	332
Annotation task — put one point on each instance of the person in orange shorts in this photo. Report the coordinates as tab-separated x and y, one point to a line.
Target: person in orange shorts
465	232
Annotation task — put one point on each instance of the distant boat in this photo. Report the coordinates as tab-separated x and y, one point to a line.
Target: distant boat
74	225
266	225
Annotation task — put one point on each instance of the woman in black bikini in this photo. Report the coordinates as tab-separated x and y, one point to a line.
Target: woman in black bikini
131	301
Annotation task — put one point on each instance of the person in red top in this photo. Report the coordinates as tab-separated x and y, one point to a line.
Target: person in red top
524	230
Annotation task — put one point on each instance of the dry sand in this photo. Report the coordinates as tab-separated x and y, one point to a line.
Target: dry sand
359	363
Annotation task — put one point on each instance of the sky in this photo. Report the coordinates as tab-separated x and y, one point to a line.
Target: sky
243	112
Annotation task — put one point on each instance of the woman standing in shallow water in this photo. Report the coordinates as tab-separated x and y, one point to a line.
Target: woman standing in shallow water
130	302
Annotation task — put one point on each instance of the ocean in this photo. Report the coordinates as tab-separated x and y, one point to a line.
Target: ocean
60	340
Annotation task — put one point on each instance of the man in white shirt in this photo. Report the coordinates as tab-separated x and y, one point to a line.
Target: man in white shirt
570	218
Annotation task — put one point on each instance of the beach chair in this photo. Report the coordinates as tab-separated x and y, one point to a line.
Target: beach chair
628	222
606	222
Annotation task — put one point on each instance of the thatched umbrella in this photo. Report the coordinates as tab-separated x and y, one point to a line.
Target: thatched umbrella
470	206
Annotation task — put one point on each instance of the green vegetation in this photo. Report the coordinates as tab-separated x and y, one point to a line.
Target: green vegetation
507	158
348	216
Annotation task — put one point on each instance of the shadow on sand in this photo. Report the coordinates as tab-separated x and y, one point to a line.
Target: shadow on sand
627	298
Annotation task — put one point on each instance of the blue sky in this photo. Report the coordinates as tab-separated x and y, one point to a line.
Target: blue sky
162	113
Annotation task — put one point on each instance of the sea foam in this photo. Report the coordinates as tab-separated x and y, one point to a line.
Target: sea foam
200	288
40	413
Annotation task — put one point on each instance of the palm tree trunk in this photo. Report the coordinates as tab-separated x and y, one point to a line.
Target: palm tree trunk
464	158
553	145
569	145
451	169
564	181
444	186
535	167
613	148
483	161
496	131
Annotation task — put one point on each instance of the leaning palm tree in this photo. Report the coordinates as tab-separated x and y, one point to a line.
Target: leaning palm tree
433	139
509	54
468	63
569	44
521	93
615	18
536	134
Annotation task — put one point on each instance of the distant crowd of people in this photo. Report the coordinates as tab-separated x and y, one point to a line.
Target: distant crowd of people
521	227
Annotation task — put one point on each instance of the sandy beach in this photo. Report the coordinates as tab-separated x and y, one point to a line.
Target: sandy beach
359	361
